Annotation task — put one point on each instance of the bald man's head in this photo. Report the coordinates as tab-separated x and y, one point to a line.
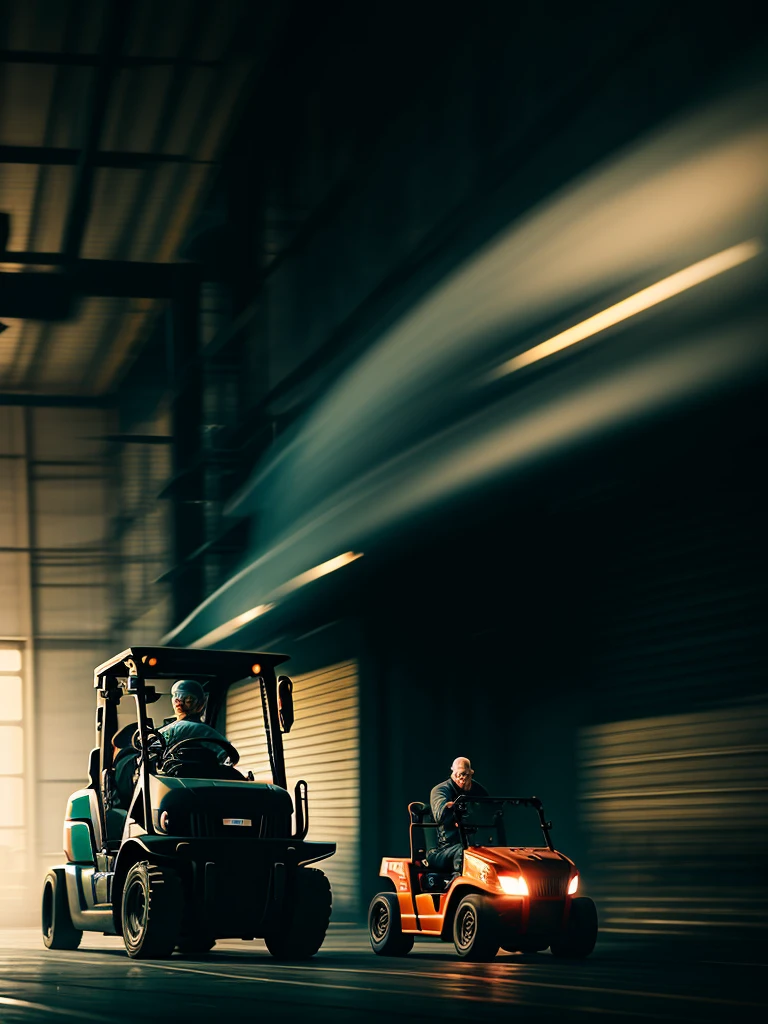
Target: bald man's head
461	772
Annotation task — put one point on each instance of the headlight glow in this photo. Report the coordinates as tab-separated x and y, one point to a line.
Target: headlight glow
574	885
513	885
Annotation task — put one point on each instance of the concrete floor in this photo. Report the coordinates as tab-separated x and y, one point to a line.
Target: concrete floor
239	981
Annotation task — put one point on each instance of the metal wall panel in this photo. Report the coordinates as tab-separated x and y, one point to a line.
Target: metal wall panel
323	749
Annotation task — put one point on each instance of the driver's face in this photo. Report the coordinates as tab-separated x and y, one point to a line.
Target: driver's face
462	775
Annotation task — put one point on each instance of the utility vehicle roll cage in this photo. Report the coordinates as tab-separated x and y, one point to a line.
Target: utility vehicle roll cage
126	675
420	811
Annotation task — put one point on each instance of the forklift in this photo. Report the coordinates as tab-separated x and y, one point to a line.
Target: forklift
201	852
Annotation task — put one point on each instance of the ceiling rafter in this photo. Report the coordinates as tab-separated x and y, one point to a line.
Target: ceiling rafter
91	60
51	156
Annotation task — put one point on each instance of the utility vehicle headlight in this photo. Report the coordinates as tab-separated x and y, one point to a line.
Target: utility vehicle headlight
513	885
574	885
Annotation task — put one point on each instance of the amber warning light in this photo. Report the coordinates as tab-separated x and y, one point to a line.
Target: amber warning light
255	669
152	662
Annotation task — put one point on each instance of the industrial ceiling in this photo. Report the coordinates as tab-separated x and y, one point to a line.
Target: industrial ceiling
113	121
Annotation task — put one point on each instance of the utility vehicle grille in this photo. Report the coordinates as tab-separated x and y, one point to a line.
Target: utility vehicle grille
548	885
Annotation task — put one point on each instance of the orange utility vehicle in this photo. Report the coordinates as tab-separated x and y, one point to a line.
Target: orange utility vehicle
521	898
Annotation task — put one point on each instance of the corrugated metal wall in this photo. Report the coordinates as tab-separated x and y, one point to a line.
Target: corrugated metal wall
323	749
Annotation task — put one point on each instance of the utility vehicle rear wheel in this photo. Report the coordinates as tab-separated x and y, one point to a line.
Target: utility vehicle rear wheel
476	928
301	929
58	930
151	911
579	937
384	927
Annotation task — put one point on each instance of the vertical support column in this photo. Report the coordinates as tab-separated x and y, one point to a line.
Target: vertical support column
188	491
30	598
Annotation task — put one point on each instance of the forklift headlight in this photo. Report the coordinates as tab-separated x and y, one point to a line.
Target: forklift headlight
513	885
574	885
164	821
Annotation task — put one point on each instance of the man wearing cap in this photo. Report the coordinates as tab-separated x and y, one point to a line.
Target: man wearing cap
449	854
188	699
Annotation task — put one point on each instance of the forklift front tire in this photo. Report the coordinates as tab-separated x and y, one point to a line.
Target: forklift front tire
300	932
384	927
58	930
151	908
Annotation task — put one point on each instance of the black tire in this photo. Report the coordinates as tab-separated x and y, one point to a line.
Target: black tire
384	927
196	942
579	936
511	945
301	929
58	930
151	911
476	928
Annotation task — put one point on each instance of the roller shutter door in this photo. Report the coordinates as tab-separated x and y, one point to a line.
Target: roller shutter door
673	766
323	749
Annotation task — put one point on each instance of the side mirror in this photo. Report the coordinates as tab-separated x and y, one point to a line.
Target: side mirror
285	702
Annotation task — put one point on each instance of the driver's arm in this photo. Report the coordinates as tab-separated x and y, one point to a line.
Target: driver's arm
441	805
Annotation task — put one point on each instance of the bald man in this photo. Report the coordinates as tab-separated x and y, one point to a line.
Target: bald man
449	853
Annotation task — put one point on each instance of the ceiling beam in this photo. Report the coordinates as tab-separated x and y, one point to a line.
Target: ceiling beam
91	60
57	401
57	156
98	101
21	294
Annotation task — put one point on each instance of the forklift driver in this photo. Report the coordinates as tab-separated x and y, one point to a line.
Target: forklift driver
188	699
449	854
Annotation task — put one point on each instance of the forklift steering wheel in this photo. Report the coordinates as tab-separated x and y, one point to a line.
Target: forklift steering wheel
153	736
225	745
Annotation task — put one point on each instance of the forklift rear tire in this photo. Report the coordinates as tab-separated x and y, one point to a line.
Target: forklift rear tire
196	942
476	928
578	939
301	931
384	927
151	911
58	930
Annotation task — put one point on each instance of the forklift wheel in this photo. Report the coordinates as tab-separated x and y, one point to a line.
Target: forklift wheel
152	904
476	928
300	932
578	939
384	927
196	942
58	930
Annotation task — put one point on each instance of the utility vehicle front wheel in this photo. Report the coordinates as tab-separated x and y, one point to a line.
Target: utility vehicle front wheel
580	934
58	930
300	931
384	927
476	928
151	911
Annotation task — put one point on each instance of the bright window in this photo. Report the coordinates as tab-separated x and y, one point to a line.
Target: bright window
10	659
11	741
10	699
11	750
11	802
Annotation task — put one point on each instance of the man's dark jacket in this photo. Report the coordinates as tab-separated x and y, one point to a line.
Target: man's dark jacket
443	793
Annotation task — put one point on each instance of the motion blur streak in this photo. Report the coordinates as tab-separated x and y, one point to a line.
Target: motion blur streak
651	296
231	626
227	628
